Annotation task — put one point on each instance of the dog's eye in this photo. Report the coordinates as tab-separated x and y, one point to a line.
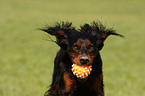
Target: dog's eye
76	47
90	46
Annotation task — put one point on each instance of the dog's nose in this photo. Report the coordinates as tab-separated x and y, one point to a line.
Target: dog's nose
84	60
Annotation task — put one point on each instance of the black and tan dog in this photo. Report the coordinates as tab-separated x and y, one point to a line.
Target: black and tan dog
80	47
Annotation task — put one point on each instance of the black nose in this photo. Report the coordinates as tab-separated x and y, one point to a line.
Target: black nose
84	60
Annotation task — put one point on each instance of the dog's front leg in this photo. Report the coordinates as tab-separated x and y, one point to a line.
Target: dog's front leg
69	84
98	85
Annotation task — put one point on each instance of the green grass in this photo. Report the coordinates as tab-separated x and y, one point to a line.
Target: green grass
26	59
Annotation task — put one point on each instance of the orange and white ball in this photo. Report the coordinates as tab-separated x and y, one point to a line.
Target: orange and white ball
81	71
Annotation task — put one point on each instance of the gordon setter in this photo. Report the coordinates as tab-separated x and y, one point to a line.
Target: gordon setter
79	48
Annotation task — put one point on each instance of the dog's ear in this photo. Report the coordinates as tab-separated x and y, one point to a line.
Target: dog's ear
61	32
102	36
99	32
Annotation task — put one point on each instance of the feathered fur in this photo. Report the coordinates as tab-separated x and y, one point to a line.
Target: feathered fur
75	44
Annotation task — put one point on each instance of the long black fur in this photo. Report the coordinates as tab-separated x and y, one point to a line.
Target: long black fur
67	35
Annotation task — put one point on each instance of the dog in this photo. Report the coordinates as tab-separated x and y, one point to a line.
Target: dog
79	47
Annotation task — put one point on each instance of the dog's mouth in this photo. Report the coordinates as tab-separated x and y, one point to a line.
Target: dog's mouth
81	72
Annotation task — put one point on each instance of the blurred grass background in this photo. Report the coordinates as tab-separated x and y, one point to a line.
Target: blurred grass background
26	59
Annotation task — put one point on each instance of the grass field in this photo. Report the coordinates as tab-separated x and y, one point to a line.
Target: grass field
26	58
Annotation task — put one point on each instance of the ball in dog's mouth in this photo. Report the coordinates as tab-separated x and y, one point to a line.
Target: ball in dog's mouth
81	72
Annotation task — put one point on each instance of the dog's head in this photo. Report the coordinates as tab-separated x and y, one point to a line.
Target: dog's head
81	45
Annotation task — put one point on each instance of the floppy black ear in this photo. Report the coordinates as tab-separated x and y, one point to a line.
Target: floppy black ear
99	32
102	36
61	32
